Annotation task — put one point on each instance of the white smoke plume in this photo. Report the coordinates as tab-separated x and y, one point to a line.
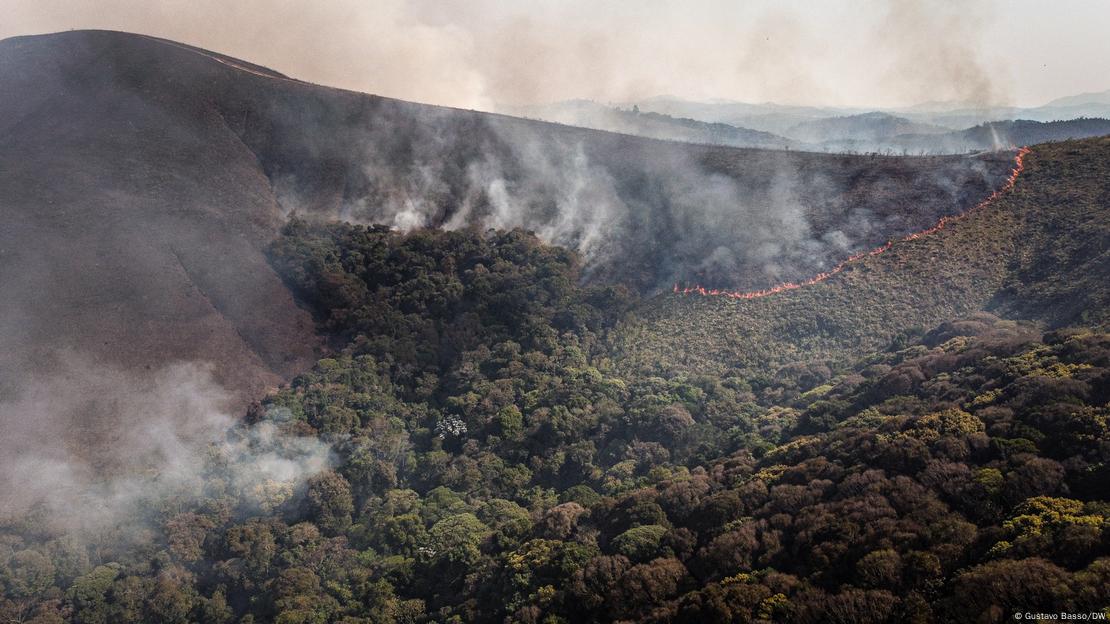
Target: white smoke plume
91	446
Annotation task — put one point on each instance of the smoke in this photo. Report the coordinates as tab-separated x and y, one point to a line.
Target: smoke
485	52
558	193
643	213
663	213
934	55
91	447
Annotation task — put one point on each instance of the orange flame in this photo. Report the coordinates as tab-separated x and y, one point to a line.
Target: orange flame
1019	166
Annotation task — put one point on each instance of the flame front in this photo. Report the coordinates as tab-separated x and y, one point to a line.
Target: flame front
1019	166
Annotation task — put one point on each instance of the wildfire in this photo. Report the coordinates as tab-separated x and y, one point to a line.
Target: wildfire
1019	166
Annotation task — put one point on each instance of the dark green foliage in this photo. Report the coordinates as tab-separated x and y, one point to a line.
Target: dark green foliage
419	302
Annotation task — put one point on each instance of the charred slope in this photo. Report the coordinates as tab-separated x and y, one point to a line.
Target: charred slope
1038	252
646	211
133	221
141	179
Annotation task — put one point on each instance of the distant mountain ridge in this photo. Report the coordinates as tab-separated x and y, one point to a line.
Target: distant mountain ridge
778	118
588	114
874	126
817	130
995	135
1096	98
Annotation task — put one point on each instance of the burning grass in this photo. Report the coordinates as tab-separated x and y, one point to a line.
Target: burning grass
1007	255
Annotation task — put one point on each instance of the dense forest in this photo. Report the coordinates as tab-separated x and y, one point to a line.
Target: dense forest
492	464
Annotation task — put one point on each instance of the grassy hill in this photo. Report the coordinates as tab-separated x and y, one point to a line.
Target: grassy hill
1039	252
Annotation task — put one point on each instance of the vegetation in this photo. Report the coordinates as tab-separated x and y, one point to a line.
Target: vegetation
494	464
1039	252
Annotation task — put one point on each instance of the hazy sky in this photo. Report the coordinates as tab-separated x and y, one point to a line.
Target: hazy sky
476	52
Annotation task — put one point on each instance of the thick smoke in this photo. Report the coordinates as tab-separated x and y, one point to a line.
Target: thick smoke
92	446
646	213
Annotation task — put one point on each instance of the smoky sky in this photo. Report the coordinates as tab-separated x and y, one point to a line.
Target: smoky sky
482	53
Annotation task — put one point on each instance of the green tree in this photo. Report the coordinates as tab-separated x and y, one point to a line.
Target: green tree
640	543
330	501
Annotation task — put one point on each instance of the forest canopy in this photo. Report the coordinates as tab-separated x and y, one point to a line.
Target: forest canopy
492	465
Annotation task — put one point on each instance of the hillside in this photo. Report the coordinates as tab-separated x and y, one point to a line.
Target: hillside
133	221
272	352
141	180
1008	256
